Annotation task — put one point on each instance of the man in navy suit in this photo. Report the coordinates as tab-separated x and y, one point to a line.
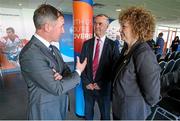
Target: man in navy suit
96	78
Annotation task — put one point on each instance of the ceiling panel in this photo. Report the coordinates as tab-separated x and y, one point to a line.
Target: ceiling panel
166	11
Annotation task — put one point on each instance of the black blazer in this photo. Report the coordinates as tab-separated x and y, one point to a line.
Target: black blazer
103	74
137	85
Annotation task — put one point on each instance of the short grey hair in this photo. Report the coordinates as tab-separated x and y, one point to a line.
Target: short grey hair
103	15
44	13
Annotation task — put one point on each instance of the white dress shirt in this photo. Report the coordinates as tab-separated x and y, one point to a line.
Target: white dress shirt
101	42
45	42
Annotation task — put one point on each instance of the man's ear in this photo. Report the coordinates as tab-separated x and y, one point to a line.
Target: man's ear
47	27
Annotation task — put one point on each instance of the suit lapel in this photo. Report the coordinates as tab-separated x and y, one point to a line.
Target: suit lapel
44	49
49	55
91	55
58	56
91	49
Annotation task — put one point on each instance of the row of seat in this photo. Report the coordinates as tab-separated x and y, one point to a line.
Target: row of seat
169	66
169	104
169	56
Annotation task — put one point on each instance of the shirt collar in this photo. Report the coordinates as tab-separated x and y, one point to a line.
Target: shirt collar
45	42
102	39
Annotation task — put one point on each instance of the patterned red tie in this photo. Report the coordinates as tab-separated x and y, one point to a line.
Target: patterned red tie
96	58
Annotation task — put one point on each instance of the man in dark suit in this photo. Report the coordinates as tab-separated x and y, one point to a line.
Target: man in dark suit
47	76
101	53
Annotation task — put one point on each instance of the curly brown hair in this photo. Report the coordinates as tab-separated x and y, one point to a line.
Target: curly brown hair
141	21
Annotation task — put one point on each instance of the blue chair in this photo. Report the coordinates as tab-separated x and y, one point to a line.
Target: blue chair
162	64
167	107
175	77
172	56
167	56
158	56
176	65
168	67
177	55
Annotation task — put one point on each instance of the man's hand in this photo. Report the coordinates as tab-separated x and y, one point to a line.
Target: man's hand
96	87
90	86
81	66
57	76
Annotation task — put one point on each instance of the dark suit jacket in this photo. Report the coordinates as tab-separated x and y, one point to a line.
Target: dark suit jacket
103	74
137	85
47	97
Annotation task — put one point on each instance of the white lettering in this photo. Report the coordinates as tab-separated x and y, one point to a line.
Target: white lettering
83	36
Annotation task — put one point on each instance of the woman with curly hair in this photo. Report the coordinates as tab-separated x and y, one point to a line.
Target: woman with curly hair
136	85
